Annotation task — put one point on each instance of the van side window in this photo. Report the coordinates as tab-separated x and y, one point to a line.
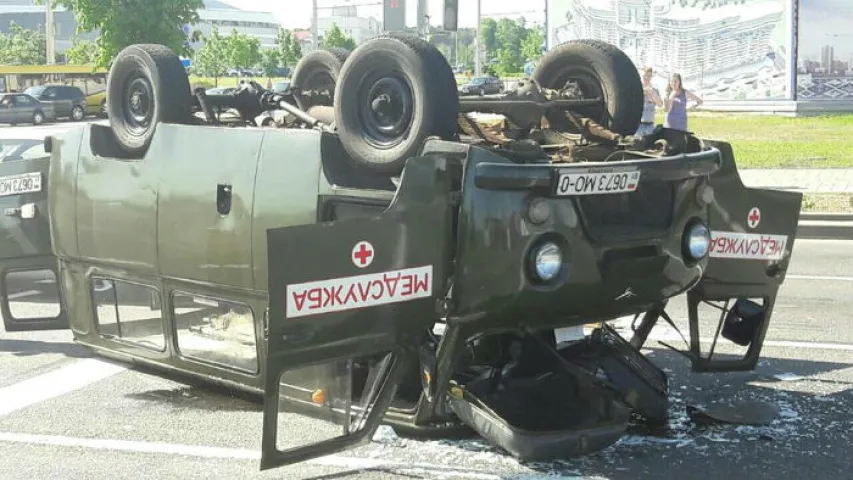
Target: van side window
128	312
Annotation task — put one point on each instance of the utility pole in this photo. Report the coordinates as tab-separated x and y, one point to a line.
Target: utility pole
423	25
477	65
50	33
314	30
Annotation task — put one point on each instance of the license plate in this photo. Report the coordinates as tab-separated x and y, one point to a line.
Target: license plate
20	184
597	183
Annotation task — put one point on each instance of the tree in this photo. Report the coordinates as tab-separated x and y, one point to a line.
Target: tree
211	60
489	36
241	50
83	52
126	22
335	37
509	36
22	46
289	48
270	61
531	46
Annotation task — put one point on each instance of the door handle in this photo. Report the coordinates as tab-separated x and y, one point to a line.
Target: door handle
223	199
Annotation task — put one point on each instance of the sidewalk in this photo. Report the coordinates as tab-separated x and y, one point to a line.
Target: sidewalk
818	180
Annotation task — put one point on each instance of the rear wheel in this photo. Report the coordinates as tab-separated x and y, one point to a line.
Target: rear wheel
598	69
148	85
77	113
315	76
38	118
397	95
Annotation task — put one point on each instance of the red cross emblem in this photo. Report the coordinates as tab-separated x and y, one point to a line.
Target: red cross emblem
754	217
394	4
362	254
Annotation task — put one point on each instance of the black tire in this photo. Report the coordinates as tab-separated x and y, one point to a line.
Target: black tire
407	68
443	75
78	113
600	69
157	81
319	71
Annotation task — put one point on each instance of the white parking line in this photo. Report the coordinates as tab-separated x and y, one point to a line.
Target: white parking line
335	461
819	277
27	293
55	383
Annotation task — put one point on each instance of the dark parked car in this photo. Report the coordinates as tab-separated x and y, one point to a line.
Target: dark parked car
18	108
482	86
68	101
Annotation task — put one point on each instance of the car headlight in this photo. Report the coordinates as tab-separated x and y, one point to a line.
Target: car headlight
547	261
697	241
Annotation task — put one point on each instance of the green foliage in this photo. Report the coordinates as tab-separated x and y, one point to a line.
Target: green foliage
126	22
83	52
531	46
289	48
335	37
22	46
212	60
241	50
489	34
270	61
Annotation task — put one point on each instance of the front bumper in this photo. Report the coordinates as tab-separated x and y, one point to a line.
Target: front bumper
622	252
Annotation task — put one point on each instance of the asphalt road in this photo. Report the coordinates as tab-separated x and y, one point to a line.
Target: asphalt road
65	414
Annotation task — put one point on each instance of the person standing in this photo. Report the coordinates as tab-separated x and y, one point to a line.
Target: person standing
652	101
675	104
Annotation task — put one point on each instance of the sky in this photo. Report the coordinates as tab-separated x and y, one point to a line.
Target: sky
297	13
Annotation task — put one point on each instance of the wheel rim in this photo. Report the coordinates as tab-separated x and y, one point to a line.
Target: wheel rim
78	113
386	111
138	105
38	118
590	86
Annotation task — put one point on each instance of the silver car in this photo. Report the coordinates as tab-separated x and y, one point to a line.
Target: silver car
18	108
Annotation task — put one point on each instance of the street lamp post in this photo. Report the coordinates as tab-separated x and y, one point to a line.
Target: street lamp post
49	32
477	64
315	40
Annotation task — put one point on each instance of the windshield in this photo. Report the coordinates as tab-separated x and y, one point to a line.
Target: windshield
478	81
21	150
35	91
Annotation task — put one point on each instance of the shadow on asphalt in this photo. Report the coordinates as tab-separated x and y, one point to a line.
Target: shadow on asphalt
29	348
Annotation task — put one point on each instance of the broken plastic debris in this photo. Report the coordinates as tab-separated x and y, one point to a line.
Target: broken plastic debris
787	377
385	434
743	413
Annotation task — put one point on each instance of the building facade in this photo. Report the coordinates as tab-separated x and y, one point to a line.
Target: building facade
726	50
28	14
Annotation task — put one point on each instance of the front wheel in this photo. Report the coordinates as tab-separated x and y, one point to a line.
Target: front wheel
396	96
596	69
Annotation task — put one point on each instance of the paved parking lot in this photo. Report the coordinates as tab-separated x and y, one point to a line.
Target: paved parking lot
66	414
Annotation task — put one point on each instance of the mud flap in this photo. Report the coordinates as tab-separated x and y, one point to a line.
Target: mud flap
350	303
752	238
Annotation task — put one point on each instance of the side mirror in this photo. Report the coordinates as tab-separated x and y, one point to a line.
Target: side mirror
451	15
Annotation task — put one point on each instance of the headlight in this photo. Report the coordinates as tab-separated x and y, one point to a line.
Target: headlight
697	241
547	261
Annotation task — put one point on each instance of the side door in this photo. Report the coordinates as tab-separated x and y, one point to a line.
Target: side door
29	280
349	302
752	238
22	109
60	102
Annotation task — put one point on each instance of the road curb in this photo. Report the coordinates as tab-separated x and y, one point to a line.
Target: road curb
825	226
